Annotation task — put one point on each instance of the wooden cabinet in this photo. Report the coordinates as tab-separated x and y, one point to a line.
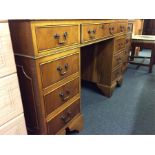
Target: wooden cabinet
52	56
11	109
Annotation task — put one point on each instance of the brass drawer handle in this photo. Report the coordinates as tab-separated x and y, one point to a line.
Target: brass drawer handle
61	70
122	28
119	60
92	33
66	118
57	37
63	97
111	30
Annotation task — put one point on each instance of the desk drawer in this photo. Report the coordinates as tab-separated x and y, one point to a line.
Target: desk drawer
117	60
92	32
130	27
49	37
128	40
63	118
10	98
7	64
56	70
116	73
122	27
120	44
112	28
59	96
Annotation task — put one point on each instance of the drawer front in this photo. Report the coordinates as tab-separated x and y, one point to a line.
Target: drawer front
128	41
10	98
122	27
63	118
14	127
91	32
126	52
109	29
120	44
49	37
116	73
56	70
117	60
130	28
59	96
125	63
112	28
7	64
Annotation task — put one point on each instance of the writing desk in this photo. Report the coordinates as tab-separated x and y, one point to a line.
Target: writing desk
52	56
144	41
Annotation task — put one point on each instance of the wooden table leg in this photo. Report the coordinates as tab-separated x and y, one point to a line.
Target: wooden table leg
132	52
152	59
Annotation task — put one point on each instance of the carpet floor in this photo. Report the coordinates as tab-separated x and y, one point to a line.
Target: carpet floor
130	110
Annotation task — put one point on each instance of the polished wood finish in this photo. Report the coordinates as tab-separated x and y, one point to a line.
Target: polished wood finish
149	27
61	95
60	68
120	43
50	62
48	37
56	123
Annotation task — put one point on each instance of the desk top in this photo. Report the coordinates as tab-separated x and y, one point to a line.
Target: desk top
144	38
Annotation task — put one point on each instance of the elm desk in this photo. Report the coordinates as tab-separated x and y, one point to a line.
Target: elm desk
144	41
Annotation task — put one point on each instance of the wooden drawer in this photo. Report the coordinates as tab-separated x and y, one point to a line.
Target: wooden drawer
122	27
109	29
130	27
59	96
90	32
55	70
7	64
128	41
49	37
10	98
64	117
112	28
117	60
125	63
120	44
14	127
116	73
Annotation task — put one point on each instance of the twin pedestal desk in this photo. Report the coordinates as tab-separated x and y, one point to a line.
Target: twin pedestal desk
52	56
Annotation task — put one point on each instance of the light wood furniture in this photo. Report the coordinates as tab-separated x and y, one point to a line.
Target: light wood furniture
52	56
11	109
144	41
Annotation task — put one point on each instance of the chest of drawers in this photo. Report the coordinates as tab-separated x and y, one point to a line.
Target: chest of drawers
11	109
52	56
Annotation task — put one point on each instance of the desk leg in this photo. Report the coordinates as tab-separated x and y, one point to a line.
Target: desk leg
152	59
132	52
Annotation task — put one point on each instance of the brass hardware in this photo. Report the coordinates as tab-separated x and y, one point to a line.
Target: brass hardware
111	30
60	69
92	33
66	118
57	37
63	97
